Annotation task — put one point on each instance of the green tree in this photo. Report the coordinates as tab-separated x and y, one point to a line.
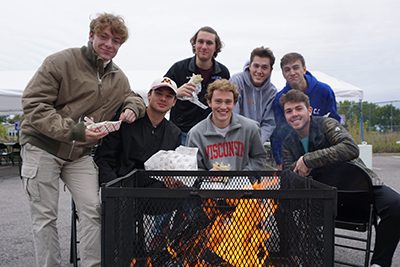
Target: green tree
377	117
3	133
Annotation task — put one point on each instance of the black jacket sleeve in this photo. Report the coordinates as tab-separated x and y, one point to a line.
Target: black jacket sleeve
106	157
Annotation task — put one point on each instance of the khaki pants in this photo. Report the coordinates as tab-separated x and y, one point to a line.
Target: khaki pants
41	172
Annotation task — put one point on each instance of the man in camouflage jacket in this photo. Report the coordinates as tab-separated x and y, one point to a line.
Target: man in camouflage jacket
317	142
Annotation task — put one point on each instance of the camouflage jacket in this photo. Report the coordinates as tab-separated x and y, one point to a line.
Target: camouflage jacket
329	143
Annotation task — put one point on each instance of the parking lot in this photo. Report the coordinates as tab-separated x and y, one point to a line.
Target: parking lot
16	245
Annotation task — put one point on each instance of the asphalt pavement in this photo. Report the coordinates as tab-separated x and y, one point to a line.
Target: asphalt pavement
16	245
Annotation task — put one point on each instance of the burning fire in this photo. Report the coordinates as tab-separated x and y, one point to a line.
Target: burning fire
235	238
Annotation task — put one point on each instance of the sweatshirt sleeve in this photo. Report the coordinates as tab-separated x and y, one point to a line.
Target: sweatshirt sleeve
278	133
193	141
257	154
268	118
333	106
239	104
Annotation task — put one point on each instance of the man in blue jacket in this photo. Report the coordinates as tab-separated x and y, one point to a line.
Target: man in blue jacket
322	98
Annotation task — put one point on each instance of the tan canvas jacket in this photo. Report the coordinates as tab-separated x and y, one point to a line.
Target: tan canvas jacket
68	86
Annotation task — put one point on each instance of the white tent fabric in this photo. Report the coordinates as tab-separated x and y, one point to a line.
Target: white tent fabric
12	84
343	90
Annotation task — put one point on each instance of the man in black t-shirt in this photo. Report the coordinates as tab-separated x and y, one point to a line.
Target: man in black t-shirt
206	45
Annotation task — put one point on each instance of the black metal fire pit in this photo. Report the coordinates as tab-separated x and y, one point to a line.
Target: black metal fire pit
217	219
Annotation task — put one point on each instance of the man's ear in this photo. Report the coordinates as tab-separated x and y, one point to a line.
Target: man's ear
305	69
173	104
310	110
91	35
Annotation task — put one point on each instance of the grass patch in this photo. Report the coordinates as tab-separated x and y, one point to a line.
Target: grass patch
382	142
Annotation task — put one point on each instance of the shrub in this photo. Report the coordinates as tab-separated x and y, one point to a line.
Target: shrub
381	142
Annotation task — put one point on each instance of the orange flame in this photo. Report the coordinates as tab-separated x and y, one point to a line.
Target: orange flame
235	237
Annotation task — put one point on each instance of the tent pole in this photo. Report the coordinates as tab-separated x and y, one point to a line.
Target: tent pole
361	122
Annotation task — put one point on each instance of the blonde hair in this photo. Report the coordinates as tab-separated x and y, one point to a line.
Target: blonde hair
223	85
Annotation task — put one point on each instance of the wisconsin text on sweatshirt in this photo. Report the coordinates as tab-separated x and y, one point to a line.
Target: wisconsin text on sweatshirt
225	149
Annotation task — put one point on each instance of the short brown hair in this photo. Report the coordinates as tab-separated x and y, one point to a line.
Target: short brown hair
218	42
117	24
296	96
290	57
263	52
223	85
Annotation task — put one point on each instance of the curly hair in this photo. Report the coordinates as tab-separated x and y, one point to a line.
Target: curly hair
104	20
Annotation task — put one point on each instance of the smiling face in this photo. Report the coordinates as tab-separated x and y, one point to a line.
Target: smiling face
221	103
294	74
205	46
260	70
106	44
298	116
161	100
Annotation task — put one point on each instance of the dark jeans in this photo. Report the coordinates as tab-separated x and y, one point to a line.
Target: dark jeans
387	205
183	138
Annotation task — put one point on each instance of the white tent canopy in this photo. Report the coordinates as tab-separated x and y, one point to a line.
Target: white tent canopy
343	90
12	84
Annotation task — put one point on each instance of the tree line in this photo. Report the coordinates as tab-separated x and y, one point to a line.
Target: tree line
376	117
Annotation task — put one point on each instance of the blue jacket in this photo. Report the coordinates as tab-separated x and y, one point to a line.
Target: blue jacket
256	102
322	100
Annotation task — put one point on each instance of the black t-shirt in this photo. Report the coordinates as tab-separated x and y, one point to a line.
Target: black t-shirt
185	114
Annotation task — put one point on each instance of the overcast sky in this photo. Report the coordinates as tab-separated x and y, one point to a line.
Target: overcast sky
357	41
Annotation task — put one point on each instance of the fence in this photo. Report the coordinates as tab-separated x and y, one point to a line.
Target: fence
379	116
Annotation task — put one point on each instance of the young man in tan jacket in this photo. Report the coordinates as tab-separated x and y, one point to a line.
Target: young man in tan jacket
56	144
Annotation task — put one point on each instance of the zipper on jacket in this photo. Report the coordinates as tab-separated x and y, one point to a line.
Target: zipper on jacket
99	78
72	149
73	142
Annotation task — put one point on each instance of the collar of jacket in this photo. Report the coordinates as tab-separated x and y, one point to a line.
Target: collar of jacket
96	61
193	67
314	133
